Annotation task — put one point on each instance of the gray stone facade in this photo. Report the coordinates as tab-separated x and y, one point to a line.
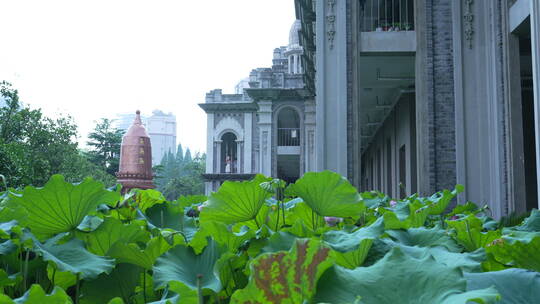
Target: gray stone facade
417	96
267	127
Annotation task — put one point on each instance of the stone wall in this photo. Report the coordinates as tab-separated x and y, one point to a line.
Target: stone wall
435	96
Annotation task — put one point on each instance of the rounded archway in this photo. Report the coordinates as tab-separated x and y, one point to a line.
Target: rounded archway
229	153
288	127
288	152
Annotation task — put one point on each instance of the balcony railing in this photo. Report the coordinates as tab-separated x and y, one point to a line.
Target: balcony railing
288	137
387	15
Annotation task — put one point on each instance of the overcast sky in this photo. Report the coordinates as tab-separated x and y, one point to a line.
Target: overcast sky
95	58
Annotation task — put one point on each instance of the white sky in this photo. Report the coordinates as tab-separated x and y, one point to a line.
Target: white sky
95	58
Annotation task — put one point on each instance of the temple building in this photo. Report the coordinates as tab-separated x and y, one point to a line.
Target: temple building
135	169
415	96
267	126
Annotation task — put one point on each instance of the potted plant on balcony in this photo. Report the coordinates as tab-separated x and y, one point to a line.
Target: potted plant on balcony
407	26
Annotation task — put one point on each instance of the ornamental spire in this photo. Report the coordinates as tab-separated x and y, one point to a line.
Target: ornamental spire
136	158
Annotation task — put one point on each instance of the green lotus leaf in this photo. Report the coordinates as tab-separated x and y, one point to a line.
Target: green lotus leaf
520	249
121	282
60	206
399	278
73	257
5	280
179	293
181	264
223	235
514	285
469	233
63	279
131	253
438	202
116	301
468	208
532	223
113	231
147	198
425	237
5	229
351	249
188	200
236	202
286	277
166	215
90	223
303	212
467	261
328	194
36	295
7	247
279	241
406	215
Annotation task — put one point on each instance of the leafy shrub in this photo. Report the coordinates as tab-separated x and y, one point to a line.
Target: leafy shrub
316	241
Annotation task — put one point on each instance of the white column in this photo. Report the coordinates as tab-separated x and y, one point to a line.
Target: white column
218	156
290	64
210	143
309	136
265	140
331	86
239	150
248	136
535	43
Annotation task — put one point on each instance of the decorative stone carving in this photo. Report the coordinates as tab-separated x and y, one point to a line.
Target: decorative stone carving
228	124
331	23
468	18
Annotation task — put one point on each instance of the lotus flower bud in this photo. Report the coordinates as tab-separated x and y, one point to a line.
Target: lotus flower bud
332	221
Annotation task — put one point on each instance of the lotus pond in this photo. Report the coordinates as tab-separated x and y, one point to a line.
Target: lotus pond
315	241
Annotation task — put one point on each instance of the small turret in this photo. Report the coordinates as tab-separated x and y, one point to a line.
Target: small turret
136	158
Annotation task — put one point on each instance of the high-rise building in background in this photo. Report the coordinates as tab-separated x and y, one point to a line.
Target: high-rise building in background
161	128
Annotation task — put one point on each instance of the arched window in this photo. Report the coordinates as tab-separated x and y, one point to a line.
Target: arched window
288	127
229	153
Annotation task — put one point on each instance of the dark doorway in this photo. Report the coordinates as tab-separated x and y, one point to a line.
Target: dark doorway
229	153
527	106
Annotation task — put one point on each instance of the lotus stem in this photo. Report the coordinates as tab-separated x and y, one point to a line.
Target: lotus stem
199	288
144	285
77	287
277	222
27	255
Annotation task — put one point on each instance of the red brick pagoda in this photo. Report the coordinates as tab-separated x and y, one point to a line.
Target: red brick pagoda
136	158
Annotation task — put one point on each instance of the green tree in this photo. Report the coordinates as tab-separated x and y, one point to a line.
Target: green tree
33	147
105	142
180	154
187	157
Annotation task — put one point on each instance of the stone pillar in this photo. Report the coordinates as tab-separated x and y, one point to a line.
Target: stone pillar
309	136
535	43
218	156
248	136
239	151
210	143
265	129
331	86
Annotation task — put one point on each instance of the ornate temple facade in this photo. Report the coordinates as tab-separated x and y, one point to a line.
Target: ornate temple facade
267	126
414	96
